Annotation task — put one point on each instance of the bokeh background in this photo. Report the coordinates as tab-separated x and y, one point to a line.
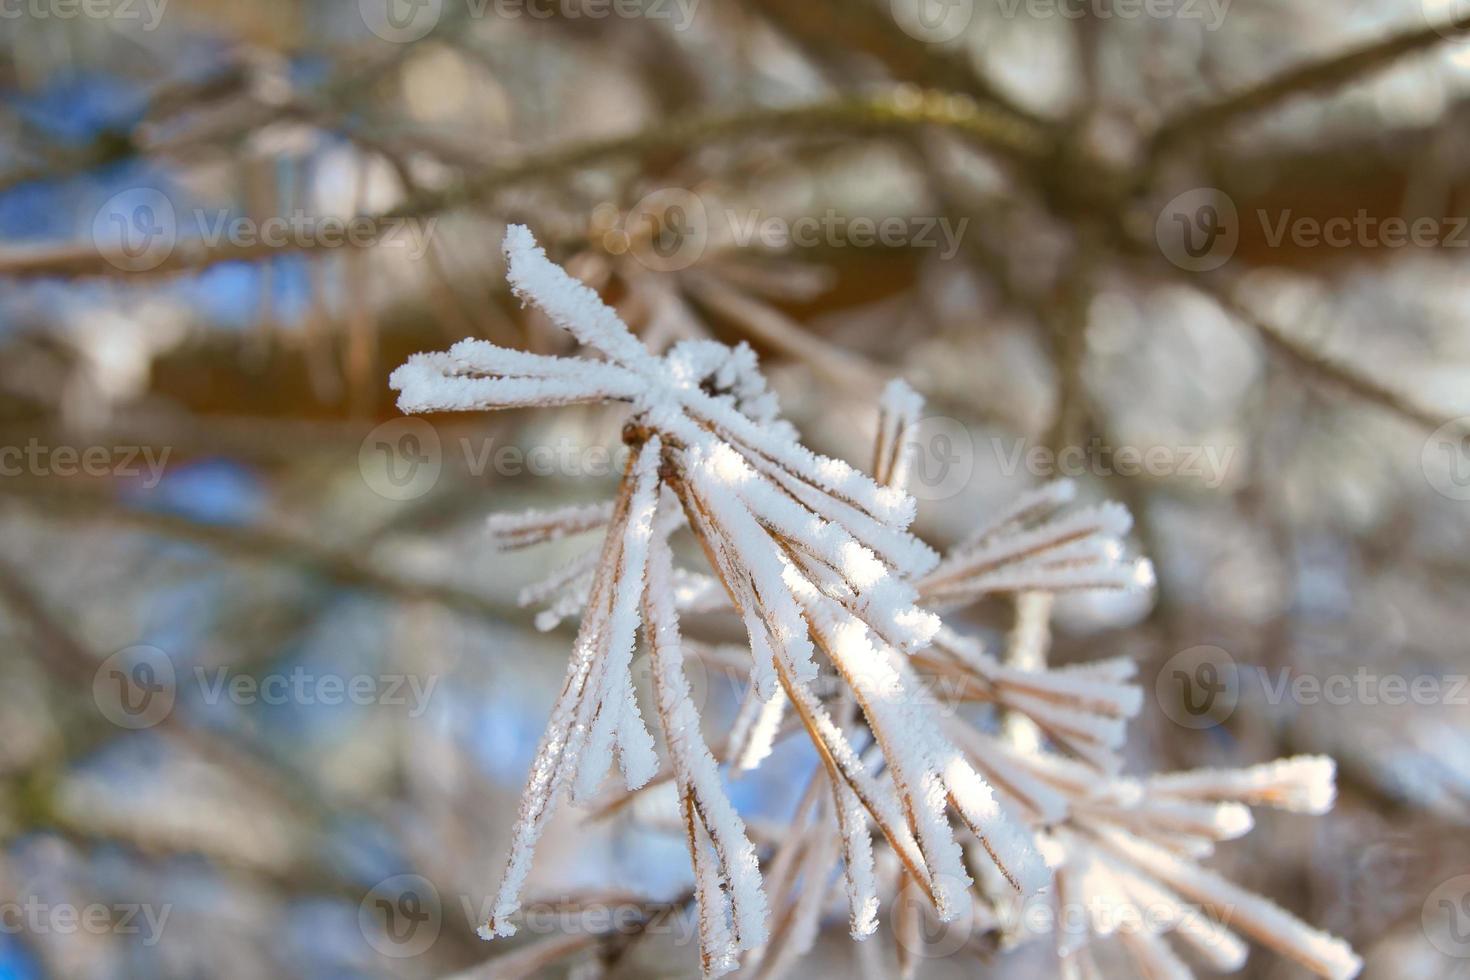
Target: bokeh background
257	661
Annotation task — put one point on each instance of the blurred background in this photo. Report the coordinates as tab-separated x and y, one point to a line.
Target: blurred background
257	663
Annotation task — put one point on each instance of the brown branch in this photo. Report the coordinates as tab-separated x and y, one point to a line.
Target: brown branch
998	132
262	544
1330	72
1335	372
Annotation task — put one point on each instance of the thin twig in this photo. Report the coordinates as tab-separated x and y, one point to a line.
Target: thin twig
264	544
1326	73
909	108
